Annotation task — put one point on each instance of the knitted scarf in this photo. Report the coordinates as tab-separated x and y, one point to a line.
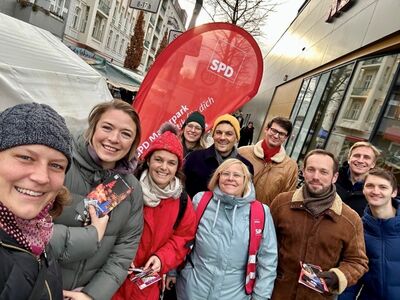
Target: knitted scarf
221	159
33	235
153	194
318	204
269	152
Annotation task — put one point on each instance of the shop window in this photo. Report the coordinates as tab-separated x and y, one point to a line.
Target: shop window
298	119
313	107
387	134
328	107
359	113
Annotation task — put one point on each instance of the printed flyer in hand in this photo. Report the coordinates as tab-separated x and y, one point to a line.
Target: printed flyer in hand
308	277
144	278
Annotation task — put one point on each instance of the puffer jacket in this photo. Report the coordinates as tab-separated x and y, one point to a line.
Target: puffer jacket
160	239
220	253
334	241
271	178
19	270
98	267
382	240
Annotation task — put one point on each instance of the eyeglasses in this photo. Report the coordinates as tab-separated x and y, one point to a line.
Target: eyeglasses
277	132
194	127
234	175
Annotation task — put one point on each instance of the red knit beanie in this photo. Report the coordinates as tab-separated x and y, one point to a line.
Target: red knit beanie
168	141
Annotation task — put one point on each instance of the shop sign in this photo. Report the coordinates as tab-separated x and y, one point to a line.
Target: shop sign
147	5
337	7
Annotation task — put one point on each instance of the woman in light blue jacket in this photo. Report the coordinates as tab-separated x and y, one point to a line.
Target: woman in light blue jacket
216	268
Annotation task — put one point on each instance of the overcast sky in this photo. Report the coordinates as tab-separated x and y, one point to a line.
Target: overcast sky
276	24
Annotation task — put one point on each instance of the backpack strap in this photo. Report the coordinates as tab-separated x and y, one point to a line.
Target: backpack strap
183	199
201	207
256	229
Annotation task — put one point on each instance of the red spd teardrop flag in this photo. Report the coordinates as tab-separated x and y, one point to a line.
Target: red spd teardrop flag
214	69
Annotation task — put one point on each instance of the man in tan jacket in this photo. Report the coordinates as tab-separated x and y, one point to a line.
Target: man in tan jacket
314	226
274	171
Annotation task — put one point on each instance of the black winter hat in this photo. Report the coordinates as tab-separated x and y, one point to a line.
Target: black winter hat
34	124
196	117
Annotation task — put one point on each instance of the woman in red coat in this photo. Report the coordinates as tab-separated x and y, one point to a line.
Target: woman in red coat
163	245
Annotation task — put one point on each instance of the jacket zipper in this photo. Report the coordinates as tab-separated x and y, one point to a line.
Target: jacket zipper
36	258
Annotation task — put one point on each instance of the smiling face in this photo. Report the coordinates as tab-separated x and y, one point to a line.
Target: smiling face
113	137
224	138
361	160
378	191
231	180
30	177
162	167
275	136
192	132
318	174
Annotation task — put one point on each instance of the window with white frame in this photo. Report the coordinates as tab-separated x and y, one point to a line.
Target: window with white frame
98	28
57	7
354	109
121	46
110	35
116	42
85	16
76	17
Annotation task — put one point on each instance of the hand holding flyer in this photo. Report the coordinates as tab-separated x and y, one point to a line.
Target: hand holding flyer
108	194
308	277
144	278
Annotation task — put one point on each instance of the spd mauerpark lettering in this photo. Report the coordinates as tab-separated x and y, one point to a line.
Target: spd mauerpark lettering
177	119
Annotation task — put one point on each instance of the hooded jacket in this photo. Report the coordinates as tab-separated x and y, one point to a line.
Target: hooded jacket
200	166
271	178
19	270
220	252
333	240
99	267
382	240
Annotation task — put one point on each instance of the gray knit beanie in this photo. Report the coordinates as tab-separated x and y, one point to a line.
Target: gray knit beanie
34	124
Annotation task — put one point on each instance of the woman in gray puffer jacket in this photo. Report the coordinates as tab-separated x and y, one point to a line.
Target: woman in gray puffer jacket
100	265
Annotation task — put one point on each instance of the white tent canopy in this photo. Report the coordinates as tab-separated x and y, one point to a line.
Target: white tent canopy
35	66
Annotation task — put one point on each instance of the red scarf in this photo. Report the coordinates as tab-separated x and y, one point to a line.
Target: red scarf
269	152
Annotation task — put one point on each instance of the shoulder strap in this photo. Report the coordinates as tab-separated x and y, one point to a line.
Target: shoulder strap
256	229
183	199
203	203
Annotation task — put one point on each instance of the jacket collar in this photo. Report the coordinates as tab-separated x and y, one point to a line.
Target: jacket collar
277	158
334	212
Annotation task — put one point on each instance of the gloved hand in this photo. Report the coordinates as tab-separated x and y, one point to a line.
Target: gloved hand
331	279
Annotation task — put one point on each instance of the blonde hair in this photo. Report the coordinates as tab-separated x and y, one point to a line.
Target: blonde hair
62	199
117	104
225	165
377	153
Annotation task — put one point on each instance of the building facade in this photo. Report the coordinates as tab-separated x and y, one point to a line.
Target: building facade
47	14
335	72
105	27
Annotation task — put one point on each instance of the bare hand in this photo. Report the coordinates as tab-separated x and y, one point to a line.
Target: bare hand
76	295
99	223
131	267
154	263
170	282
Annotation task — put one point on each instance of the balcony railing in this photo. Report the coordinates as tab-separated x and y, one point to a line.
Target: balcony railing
104	7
